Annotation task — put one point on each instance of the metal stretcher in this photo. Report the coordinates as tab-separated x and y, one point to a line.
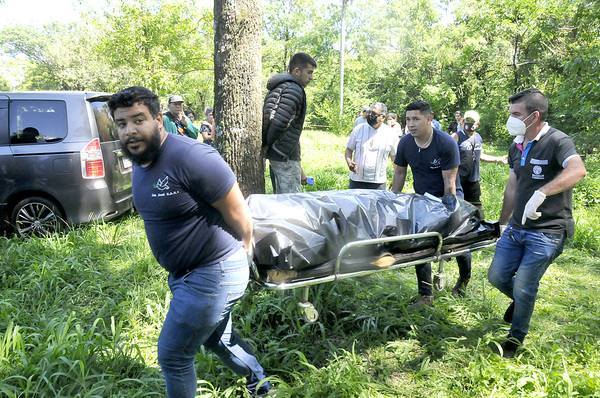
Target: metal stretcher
298	237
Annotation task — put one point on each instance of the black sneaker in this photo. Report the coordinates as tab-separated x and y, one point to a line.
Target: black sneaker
510	347
509	313
460	287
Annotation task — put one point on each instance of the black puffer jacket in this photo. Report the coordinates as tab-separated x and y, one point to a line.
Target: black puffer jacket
283	117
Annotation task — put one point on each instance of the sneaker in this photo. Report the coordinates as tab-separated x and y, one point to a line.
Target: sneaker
460	287
510	347
509	313
423	301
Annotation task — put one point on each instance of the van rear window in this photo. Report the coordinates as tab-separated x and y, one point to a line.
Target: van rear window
37	122
107	130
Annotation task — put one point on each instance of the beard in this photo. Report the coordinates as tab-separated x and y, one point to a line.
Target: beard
152	149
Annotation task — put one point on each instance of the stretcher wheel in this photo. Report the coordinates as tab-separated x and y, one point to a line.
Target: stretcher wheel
439	281
309	313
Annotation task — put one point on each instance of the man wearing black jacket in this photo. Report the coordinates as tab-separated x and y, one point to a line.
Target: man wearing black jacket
283	118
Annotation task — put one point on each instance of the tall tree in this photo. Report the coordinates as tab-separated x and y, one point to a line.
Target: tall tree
238	99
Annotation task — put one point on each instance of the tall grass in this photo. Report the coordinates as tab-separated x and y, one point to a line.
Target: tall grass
80	314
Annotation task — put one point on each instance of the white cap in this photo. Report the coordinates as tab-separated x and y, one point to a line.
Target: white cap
471	115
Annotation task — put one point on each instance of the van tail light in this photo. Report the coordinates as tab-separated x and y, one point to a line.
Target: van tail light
92	164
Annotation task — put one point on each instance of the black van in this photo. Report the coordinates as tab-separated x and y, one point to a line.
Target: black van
60	161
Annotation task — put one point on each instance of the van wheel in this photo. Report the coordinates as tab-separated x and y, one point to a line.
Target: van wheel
36	216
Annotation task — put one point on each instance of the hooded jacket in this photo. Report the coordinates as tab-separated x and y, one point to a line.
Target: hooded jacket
283	117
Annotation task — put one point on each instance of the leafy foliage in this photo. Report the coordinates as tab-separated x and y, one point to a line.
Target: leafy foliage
403	52
166	46
396	51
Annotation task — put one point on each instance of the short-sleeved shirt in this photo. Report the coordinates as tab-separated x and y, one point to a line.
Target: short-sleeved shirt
372	148
470	156
537	164
359	120
173	196
428	163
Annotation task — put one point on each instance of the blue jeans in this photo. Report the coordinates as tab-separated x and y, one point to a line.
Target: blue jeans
200	314
521	259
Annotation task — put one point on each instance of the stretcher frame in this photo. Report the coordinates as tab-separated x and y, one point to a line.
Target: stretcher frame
439	254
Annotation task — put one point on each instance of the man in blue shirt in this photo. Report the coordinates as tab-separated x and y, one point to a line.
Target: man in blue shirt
433	158
199	229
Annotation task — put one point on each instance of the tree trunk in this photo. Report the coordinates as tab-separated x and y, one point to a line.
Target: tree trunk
238	96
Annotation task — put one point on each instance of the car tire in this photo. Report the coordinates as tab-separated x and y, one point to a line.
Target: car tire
36	216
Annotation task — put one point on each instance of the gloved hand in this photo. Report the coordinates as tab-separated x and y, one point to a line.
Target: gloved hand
532	205
450	201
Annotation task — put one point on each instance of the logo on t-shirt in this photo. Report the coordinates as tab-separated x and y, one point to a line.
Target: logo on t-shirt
436	163
537	173
163	184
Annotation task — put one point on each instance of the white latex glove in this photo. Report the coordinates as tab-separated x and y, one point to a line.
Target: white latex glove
532	205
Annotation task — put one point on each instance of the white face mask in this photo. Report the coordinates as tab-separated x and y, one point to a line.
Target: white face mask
517	126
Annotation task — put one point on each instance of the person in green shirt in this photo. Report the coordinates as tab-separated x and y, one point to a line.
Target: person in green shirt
175	120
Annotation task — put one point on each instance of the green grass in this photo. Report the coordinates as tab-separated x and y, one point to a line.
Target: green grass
80	314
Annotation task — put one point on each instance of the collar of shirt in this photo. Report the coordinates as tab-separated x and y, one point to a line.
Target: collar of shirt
520	138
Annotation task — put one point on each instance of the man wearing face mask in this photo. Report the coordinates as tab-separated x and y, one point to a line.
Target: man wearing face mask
372	143
469	144
544	168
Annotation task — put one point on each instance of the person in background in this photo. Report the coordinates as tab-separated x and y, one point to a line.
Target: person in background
362	118
469	144
175	120
371	143
393	122
537	211
208	127
190	114
433	158
284	110
434	122
457	124
199	228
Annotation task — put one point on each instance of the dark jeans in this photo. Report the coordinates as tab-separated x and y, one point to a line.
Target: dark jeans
472	192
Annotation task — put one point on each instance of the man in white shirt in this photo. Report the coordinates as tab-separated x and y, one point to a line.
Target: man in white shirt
371	143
